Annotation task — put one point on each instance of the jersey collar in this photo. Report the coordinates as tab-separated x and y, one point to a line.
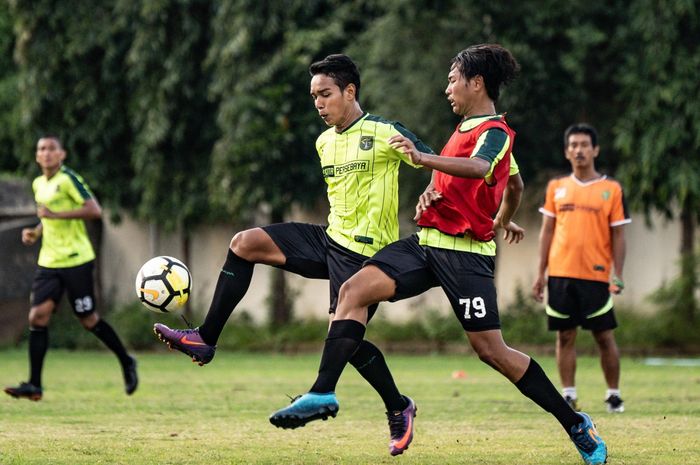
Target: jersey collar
364	113
602	177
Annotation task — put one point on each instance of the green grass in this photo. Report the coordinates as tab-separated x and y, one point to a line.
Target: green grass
186	414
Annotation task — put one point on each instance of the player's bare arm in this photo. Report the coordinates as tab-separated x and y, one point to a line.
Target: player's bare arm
454	166
90	210
546	235
618	253
509	205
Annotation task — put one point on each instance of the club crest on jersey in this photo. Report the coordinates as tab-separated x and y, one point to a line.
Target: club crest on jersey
559	193
366	142
605	195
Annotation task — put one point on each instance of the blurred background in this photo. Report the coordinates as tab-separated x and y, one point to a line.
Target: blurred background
192	119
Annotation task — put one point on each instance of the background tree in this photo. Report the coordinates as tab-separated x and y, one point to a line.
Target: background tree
70	82
266	157
658	131
9	108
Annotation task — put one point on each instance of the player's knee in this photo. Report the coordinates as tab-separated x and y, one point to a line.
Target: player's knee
566	338
38	320
351	294
88	322
253	245
605	340
41	314
244	244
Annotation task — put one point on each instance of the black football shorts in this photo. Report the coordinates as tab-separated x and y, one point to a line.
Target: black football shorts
465	277
77	281
579	302
312	254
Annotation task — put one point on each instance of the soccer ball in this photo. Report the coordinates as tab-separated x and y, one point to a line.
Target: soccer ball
163	284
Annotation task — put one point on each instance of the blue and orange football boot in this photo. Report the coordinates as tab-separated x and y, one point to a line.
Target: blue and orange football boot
401	427
187	341
587	441
303	409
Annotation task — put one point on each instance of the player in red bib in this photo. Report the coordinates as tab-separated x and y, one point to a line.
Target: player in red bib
475	191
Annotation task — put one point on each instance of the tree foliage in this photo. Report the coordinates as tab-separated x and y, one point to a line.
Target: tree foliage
658	132
186	112
9	107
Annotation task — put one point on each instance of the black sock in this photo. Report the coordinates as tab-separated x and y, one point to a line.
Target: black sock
232	285
344	337
535	385
38	345
370	363
108	336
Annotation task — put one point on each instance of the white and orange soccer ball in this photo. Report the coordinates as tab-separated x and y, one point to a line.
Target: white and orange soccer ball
163	284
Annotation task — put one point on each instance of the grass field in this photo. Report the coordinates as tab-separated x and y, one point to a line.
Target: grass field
217	414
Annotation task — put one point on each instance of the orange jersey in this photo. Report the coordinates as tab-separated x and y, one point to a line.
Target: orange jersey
584	212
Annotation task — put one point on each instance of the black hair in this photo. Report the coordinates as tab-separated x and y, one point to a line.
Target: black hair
52	137
341	69
581	128
495	64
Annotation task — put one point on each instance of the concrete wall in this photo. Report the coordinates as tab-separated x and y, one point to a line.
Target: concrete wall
652	256
651	259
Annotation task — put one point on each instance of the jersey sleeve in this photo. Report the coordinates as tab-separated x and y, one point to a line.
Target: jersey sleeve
420	145
491	145
549	209
78	189
619	214
514	169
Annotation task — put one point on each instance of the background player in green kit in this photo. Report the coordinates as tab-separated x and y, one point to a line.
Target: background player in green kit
66	263
361	172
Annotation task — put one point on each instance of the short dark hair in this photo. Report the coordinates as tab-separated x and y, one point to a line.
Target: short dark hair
341	69
495	64
581	128
52	137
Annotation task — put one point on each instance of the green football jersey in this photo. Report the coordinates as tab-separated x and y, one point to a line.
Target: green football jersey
65	242
361	170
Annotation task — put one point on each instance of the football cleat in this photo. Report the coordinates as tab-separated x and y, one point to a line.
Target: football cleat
401	427
587	441
131	378
187	341
303	409
25	390
614	404
573	403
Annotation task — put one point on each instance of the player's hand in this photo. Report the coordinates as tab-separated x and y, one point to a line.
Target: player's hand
406	145
425	200
42	211
511	231
538	288
616	285
29	236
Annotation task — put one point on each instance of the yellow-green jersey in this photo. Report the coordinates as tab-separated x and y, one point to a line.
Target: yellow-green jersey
361	170
65	242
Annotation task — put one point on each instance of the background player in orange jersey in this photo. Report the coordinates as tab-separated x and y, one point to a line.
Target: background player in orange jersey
582	250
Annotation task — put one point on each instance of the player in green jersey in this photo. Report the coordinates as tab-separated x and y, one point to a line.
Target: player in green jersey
361	172
66	262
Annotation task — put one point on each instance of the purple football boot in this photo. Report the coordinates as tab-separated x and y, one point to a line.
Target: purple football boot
187	341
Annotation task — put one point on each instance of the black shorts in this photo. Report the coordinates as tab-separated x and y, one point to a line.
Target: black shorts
50	283
579	302
312	254
466	278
